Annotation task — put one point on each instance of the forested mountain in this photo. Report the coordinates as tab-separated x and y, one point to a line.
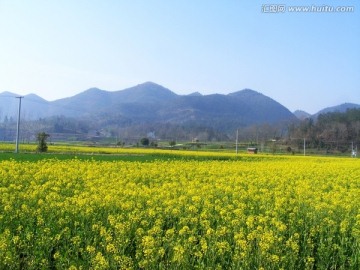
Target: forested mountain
153	103
150	108
94	100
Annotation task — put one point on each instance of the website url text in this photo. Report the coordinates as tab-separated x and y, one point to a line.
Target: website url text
280	8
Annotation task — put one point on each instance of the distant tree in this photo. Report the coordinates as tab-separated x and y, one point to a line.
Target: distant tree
120	143
153	144
274	147
42	145
145	141
172	143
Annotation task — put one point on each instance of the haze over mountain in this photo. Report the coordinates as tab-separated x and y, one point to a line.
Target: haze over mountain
152	103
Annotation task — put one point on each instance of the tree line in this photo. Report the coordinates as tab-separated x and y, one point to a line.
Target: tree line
331	131
334	131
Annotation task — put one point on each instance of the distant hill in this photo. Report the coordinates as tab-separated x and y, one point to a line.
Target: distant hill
153	103
8	105
85	103
339	108
94	100
301	115
260	108
148	92
32	106
195	94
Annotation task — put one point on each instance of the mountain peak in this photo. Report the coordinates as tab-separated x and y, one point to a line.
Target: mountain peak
94	90
149	83
195	94
7	93
246	93
301	114
145	93
34	97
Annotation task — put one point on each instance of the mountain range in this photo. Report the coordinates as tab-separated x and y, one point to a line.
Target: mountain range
153	103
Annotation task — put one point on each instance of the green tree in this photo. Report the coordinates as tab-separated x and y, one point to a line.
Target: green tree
145	141
172	143
42	145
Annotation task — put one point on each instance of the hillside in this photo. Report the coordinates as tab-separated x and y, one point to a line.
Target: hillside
301	115
339	108
152	103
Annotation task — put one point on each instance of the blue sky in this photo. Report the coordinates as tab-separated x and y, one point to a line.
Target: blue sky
304	60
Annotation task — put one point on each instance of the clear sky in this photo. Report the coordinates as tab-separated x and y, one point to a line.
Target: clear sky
304	60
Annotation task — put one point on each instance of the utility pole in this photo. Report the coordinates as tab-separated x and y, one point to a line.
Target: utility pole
304	146
18	126
353	150
236	144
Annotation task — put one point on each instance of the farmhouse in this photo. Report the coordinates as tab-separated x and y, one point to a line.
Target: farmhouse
252	150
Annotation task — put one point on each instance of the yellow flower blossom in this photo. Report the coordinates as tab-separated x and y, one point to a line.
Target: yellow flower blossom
244	212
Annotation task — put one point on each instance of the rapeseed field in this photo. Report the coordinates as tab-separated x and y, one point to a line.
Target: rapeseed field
246	213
